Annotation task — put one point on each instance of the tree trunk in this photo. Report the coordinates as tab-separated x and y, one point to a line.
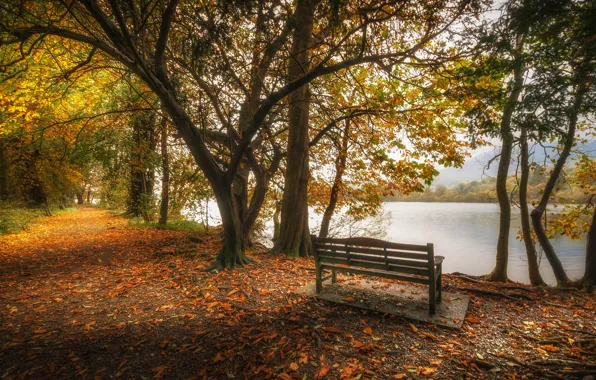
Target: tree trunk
4	167
499	273
340	166
538	212
276	221
294	236
589	280
89	194
80	198
141	170
533	269
235	237
165	179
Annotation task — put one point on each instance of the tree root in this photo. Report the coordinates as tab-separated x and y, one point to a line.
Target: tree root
579	373
220	265
511	296
465	277
563	362
537	368
514	287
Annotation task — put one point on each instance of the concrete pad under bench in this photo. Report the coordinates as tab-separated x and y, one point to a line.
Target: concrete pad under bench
403	300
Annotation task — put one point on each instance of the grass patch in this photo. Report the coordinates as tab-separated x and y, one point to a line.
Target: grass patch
64	210
14	218
175	225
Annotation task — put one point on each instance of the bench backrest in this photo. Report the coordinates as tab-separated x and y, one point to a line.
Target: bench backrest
376	254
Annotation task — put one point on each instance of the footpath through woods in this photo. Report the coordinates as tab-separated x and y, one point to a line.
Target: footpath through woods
86	295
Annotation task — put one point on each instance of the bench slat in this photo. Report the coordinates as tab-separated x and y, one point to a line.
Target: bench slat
423	281
374	251
374	265
375	258
375	243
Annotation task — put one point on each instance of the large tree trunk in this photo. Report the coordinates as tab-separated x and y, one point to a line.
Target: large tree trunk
499	273
340	166
533	269
141	171
294	236
4	167
80	196
165	179
235	241
538	212
589	280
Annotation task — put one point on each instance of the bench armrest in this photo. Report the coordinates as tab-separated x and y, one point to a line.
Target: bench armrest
439	260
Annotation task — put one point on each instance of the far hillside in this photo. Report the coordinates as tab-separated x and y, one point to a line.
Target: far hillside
483	191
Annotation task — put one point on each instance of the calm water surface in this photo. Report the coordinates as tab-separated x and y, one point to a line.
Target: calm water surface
466	234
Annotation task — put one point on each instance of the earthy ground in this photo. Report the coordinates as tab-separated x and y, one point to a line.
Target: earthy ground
85	295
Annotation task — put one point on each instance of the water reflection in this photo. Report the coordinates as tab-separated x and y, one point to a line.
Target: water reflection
466	234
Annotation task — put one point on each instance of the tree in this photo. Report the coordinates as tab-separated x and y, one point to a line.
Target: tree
340	167
142	170
499	273
165	174
168	46
533	268
294	234
562	90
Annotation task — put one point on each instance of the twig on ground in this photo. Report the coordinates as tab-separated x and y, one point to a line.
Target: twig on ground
537	368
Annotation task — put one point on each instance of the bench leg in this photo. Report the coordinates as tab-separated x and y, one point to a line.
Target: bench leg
333	276
432	299
319	281
440	283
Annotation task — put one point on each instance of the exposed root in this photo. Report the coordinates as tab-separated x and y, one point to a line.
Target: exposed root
223	263
496	277
511	296
465	277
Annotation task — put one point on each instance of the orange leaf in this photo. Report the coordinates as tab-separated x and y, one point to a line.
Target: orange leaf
367	331
550	348
471	319
332	330
294	366
427	370
428	335
349	299
88	325
218	358
414	328
159	372
322	372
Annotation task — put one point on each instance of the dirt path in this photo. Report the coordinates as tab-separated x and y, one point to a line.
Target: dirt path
84	295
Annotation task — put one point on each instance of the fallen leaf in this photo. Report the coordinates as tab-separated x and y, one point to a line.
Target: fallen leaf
218	358
159	372
322	372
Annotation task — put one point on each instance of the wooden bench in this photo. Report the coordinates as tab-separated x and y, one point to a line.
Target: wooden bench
406	262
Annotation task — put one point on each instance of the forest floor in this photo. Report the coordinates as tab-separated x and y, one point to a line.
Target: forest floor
86	295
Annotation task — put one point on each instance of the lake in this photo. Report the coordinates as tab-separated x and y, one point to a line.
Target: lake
465	233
